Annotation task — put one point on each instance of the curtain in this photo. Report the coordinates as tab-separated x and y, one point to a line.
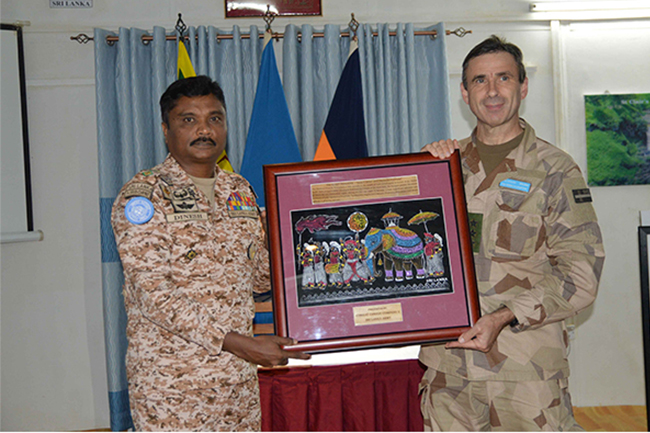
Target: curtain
406	105
404	78
130	78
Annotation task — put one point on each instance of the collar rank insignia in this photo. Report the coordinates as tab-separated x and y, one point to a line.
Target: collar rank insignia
241	205
190	254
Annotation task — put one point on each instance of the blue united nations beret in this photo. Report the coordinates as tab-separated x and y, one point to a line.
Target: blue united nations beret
138	210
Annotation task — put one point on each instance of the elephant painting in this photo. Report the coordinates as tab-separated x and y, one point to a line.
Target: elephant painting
401	249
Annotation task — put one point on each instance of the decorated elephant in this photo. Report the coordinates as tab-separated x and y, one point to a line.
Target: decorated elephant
402	250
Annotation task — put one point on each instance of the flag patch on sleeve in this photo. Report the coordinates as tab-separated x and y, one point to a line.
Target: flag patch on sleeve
582	195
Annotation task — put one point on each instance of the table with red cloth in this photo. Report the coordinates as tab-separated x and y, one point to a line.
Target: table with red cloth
373	396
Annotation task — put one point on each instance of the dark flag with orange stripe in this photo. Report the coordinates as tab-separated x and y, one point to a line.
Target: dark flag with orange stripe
344	134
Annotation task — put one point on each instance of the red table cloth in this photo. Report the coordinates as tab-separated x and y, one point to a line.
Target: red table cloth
375	396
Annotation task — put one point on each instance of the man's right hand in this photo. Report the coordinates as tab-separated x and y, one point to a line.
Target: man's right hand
442	148
264	350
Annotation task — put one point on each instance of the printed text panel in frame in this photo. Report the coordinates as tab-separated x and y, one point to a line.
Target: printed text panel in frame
377	314
367	189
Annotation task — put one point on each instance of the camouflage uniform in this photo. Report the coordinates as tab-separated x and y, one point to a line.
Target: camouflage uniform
189	275
538	252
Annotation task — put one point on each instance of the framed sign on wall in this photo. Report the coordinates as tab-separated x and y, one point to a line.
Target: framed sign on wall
644	262
618	139
16	210
257	8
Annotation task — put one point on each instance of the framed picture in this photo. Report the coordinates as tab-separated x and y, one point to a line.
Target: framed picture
618	149
644	262
257	8
370	252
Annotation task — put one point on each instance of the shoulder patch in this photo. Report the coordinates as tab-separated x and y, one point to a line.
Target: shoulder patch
140	189
138	210
578	197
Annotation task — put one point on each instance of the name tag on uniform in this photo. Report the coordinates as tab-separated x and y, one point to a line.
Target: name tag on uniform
515	184
186	216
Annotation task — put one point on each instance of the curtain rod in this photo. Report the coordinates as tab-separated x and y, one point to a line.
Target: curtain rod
82	38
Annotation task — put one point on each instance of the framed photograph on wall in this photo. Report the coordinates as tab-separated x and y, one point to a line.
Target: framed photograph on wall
618	139
370	252
257	8
644	262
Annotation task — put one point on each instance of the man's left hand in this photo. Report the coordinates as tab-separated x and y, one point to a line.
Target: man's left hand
485	332
264	350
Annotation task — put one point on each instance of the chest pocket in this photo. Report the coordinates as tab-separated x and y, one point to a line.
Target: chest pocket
244	232
515	223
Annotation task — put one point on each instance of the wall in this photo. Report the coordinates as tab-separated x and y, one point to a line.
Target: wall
610	58
52	350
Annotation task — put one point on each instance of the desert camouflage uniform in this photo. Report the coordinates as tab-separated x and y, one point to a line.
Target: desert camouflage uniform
189	275
539	253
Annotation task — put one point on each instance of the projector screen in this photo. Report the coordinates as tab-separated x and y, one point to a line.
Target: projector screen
15	201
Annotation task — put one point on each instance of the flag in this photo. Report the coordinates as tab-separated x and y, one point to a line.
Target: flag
271	139
184	69
184	66
344	133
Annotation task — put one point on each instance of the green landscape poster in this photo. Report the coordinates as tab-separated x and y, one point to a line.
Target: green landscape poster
618	139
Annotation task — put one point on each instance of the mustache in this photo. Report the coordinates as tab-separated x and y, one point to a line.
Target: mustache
203	140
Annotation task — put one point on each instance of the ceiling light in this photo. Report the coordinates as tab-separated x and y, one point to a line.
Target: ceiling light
576	6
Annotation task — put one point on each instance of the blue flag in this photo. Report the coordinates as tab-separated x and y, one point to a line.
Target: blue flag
271	139
344	133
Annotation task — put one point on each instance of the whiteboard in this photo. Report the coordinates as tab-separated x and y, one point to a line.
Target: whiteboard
15	190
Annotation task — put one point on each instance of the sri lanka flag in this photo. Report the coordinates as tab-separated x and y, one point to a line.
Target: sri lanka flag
344	134
271	139
184	69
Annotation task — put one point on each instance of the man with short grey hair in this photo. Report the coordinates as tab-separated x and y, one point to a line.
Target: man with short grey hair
538	256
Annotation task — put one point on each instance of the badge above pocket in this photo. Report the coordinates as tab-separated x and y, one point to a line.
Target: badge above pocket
521	192
242	205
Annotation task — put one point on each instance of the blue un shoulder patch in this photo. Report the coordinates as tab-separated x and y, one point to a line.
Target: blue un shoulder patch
138	210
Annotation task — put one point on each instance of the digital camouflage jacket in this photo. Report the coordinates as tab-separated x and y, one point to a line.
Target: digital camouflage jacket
190	272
